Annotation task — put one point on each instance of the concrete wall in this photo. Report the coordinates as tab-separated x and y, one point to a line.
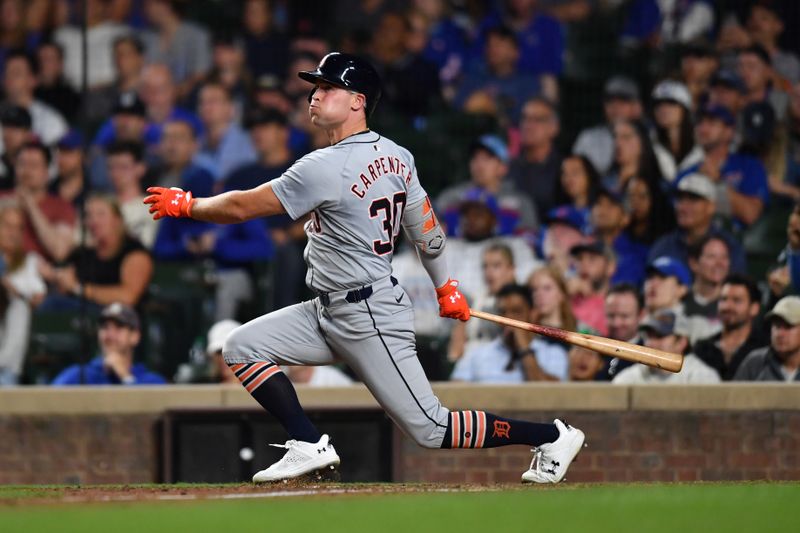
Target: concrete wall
733	431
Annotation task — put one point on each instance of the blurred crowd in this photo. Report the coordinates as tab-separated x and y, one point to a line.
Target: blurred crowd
644	187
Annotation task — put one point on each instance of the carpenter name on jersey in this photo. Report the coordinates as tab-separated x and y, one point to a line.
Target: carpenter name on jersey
356	192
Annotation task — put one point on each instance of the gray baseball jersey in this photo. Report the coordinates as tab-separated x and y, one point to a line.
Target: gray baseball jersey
357	191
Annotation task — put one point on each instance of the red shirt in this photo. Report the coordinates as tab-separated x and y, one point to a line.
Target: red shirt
56	210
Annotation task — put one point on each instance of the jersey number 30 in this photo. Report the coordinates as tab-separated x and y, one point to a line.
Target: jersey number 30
392	217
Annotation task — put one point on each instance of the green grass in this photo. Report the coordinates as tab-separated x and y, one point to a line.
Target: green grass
617	508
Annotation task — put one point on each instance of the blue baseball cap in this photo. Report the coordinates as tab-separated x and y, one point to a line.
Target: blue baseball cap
669	266
729	79
718	112
492	144
566	214
479	196
72	140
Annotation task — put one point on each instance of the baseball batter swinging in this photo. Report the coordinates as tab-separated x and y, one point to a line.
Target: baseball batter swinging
360	192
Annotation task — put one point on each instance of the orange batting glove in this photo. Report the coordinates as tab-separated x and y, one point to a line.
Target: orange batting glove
172	202
452	304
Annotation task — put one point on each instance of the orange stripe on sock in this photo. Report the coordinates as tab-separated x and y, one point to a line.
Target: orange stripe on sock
480	430
253	369
456	429
468	435
238	366
262	378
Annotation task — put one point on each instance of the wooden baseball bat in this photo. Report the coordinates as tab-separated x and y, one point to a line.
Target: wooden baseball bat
603	345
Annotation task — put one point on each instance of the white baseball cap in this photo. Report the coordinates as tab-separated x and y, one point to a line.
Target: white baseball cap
673	91
698	185
218	333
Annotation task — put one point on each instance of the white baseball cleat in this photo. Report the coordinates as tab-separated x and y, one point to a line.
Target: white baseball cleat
301	458
551	460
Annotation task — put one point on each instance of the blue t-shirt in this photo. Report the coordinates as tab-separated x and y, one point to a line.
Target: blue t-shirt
95	374
152	133
541	43
744	173
631	260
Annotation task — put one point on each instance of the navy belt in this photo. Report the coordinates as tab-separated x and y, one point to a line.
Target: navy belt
353	296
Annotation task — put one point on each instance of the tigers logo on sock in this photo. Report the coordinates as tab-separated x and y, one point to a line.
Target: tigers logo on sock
501	429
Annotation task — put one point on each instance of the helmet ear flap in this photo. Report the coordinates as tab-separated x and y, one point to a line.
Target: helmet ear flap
311	94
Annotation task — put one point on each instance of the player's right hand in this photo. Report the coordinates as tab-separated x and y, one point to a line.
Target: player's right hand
172	202
452	304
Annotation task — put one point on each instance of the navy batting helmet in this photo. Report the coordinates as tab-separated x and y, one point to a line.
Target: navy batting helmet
347	71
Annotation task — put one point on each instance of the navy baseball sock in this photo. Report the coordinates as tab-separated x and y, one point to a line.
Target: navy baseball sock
479	429
272	389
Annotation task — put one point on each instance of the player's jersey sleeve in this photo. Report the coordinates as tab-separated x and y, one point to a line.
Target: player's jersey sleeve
415	192
309	183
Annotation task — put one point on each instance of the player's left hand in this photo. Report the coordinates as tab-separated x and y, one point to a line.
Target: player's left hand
172	202
452	304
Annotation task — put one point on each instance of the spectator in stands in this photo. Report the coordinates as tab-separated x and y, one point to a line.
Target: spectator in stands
126	169
650	212
478	220
726	90
159	94
666	284
499	77
608	223
793	248
780	360
178	168
128	57
578	185
792	131
410	82
594	265
535	171
585	365
710	263
624	308
675	146
229	68
266	48
739	306
563	230
221	372
516	355
49	220
620	102
755	68
440	39
72	181
740	181
19	82
268	93
118	334
540	37
670	332
488	165
224	145
498	271
16	124
653	24
695	206
128	124
101	33
551	300
117	268
15	30
317	376
269	131
633	156
52	89
698	64
183	46
765	25
21	288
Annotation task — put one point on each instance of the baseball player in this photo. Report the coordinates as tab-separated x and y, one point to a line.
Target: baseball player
360	192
